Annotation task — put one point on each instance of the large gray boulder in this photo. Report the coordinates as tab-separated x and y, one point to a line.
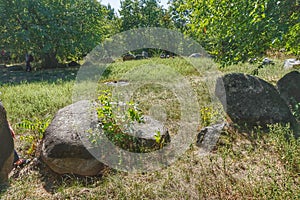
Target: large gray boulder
68	145
62	148
6	147
250	101
289	88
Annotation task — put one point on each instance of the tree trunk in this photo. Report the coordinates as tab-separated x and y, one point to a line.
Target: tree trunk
49	60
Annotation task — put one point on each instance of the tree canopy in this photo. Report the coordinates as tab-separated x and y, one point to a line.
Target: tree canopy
234	31
143	13
56	31
59	31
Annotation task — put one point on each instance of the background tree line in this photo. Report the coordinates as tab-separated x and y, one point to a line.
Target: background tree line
59	31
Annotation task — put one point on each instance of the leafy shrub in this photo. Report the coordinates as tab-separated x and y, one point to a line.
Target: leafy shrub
37	129
111	122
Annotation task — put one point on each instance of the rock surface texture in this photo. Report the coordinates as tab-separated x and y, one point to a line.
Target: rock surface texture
208	137
62	148
250	101
68	147
6	147
291	63
289	88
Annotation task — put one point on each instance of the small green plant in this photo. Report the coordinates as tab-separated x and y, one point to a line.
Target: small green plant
134	113
111	123
160	139
37	129
157	137
207	115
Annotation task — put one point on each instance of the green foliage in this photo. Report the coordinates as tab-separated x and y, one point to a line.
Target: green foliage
35	100
53	30
207	115
134	113
157	137
293	39
37	128
179	16
234	31
116	126
143	13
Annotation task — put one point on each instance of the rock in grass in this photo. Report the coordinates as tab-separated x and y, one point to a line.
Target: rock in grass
147	136
66	147
6	147
208	137
250	101
62	148
291	63
196	55
289	88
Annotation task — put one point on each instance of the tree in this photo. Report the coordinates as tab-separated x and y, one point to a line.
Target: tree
234	31
143	13
56	31
130	14
178	16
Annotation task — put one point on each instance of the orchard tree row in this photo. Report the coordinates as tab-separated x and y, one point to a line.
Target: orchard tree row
59	31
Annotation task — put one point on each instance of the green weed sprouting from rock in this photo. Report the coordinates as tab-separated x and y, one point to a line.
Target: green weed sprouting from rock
111	123
157	137
37	128
207	115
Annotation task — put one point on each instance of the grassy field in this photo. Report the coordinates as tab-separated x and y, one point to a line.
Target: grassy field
241	166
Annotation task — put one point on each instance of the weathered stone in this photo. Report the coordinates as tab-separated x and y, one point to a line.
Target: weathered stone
289	88
267	61
128	56
62	148
291	63
208	137
67	146
117	83
6	147
250	101
196	55
144	135
106	60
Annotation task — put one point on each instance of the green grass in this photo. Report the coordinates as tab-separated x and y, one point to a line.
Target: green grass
240	167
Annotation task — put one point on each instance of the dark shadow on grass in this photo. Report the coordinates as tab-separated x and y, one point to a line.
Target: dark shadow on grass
53	181
10	76
3	188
